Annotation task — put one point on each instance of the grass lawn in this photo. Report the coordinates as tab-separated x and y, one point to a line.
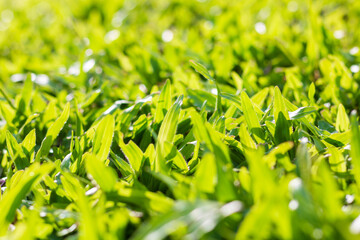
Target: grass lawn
181	119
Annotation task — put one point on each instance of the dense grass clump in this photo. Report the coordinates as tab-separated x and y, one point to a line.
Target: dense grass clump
211	119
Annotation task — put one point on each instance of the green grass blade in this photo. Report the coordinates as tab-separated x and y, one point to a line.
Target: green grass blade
103	137
251	118
133	154
342	119
202	70
12	198
167	133
104	176
16	152
52	133
164	102
355	147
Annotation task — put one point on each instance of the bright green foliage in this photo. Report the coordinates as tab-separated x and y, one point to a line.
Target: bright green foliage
342	120
17	191
157	119
103	137
251	118
52	133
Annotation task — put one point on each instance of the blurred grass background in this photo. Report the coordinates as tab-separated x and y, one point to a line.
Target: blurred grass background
84	42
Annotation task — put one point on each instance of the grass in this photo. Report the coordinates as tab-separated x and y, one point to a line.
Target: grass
179	119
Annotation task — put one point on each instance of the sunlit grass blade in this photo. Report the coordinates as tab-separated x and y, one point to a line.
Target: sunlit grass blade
74	190
25	95
164	102
202	70
167	133
224	189
16	152
52	133
251	117
281	115
103	137
133	154
12	198
104	176
342	119
355	147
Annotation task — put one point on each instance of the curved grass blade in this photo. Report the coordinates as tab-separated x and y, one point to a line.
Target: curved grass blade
16	152
342	119
167	133
12	199
104	176
251	118
52	133
164	102
103	137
